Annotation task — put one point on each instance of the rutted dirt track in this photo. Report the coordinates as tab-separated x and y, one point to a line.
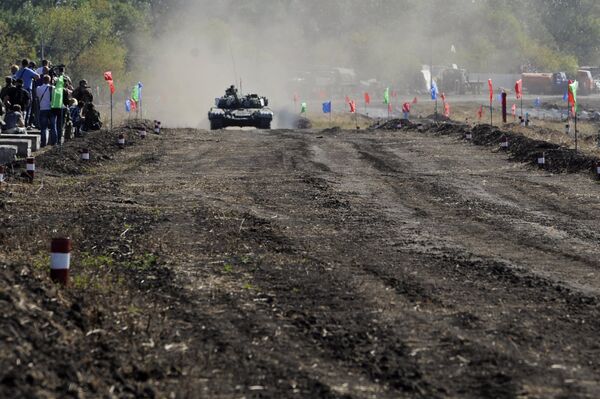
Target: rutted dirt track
306	264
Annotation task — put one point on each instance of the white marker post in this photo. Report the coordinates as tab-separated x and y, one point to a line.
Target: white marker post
143	133
1	174
542	160
121	141
504	143
85	154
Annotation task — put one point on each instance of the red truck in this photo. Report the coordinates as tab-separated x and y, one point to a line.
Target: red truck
545	83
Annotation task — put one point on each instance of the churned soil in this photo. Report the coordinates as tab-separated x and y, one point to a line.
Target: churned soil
381	263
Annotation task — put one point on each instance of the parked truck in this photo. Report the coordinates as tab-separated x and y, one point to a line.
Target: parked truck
545	83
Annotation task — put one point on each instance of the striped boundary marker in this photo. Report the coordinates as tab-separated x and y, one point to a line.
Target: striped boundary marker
60	260
504	142
541	161
31	168
85	154
121	141
157	127
2	171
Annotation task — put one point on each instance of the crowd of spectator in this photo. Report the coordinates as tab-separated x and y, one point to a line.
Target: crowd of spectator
28	100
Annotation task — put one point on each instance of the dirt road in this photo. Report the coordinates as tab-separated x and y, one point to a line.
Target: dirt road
316	264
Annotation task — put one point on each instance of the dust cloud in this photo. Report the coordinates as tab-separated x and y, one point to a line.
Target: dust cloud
204	46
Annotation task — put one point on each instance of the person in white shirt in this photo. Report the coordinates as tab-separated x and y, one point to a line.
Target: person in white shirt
47	117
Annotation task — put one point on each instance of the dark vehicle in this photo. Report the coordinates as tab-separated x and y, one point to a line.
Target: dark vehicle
233	110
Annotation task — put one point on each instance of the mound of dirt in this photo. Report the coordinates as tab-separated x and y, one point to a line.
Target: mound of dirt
303	123
332	130
393	124
102	146
438	117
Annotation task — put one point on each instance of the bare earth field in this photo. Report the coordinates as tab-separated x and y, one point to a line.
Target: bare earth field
300	264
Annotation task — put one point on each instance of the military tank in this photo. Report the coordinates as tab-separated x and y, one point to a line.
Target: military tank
235	110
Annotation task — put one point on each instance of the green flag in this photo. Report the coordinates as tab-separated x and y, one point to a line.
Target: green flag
135	94
386	96
57	94
303	108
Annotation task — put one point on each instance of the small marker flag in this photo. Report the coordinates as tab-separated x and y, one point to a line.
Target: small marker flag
390	109
303	108
491	89
513	109
406	107
480	112
367	98
573	86
566	95
415	100
326	107
443	97
135	93
133	105
109	79
352	105
519	89
434	90
128	106
386	96
446	110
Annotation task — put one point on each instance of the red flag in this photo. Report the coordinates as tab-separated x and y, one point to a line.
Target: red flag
480	112
352	106
108	77
443	97
133	105
491	88
415	100
367	98
519	88
347	99
406	107
390	110
447	110
514	110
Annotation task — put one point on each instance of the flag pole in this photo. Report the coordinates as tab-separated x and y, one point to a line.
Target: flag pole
111	110
575	127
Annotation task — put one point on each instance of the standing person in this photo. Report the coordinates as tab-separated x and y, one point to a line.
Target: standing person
8	85
47	118
28	76
19	96
83	93
40	70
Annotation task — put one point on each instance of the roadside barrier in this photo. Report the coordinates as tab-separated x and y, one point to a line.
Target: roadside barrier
85	154
60	260
31	168
121	141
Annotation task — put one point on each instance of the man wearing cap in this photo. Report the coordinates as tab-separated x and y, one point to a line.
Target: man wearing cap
27	75
83	94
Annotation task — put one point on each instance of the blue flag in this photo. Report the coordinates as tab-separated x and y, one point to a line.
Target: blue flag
537	103
327	107
434	90
128	106
140	86
500	97
566	96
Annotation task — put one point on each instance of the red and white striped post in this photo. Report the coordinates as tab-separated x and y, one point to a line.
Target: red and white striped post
2	174
143	133
469	136
504	143
121	141
31	168
60	260
157	127
85	154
